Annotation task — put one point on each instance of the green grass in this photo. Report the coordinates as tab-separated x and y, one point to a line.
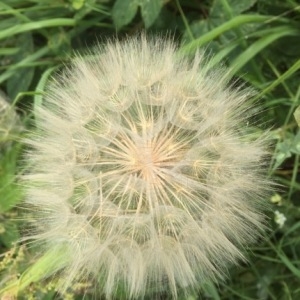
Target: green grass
258	39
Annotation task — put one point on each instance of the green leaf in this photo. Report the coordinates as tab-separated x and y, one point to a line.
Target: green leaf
285	149
295	147
283	152
150	10
197	29
123	12
21	80
77	4
59	42
10	193
30	59
211	291
297	115
10	233
233	7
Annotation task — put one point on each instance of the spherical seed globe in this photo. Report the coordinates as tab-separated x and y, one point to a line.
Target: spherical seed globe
143	168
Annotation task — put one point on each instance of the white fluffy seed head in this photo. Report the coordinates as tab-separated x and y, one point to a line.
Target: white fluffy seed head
142	168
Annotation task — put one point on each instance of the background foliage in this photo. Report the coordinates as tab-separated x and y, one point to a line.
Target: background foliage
258	39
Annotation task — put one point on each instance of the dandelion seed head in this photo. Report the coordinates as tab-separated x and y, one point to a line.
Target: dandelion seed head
140	168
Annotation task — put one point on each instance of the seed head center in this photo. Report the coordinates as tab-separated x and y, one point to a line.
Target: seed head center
146	161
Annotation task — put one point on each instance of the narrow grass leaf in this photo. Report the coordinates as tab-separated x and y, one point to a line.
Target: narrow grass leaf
211	291
39	95
288	264
9	32
294	68
9	51
233	23
259	45
24	62
50	263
